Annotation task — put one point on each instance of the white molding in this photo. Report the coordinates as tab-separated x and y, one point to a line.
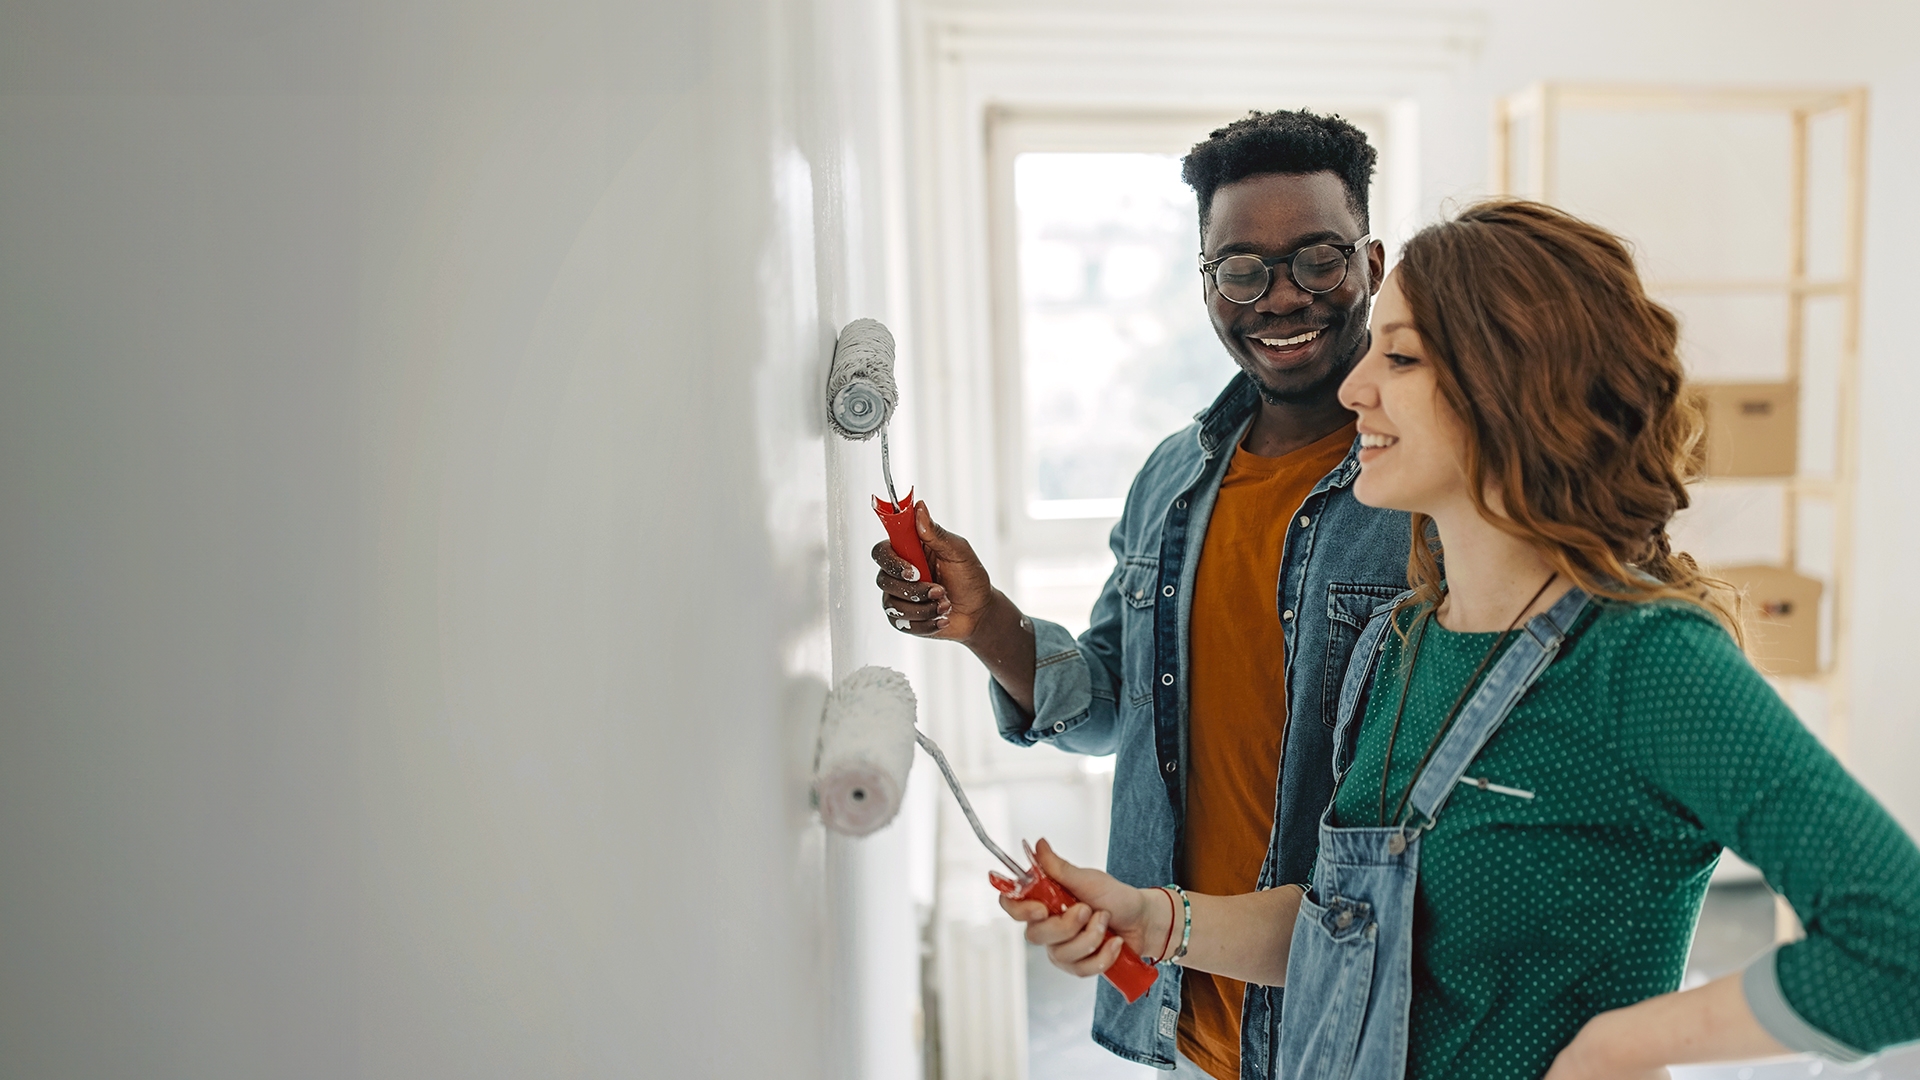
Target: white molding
1283	37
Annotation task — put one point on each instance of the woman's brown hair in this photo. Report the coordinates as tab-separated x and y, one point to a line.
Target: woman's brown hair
1568	382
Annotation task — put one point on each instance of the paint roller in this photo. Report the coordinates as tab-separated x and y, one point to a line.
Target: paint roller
861	396
867	732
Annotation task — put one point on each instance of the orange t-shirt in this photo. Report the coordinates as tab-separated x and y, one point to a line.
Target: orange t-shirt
1237	720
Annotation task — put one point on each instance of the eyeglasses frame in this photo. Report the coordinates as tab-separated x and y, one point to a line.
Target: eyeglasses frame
1346	267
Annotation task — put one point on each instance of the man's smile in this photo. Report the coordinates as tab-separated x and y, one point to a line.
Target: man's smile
1281	349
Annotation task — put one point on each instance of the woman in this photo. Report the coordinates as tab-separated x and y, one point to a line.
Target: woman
1544	746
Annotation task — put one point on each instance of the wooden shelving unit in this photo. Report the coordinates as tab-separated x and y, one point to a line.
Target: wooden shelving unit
1739	201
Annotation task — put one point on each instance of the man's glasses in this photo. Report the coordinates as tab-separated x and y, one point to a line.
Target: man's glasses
1316	268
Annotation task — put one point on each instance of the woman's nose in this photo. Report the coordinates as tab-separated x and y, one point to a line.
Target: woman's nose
1358	391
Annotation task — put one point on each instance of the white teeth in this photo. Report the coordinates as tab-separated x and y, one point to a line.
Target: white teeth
1376	441
1281	343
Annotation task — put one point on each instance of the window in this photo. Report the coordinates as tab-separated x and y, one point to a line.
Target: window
1115	348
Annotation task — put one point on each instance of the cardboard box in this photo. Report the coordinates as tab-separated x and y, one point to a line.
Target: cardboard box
1782	611
1753	429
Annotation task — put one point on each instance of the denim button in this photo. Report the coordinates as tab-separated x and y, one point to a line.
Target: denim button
1168	591
1305	520
1182	504
1343	920
1170	766
1167	679
1287	615
1059	725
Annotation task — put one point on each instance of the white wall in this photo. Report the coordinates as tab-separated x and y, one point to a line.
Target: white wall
415	561
1768	42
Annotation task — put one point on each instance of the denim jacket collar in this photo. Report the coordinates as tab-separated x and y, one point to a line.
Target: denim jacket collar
1227	418
1228	415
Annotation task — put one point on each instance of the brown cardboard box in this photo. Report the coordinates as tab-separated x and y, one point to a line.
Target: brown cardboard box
1783	617
1752	428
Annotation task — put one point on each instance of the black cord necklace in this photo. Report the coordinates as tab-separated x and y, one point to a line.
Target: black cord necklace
1419	635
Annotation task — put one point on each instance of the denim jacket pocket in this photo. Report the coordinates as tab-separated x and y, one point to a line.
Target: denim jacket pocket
1349	605
1139	589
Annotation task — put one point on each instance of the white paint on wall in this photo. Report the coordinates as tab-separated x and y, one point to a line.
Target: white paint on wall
415	537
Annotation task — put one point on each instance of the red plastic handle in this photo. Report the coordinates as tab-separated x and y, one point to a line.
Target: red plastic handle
901	533
1129	974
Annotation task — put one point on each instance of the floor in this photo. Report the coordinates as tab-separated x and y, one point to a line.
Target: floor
1735	924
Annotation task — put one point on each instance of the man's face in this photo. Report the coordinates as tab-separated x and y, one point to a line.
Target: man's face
1276	214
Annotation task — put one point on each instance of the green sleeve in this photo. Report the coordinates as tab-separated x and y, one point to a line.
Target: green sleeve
1717	745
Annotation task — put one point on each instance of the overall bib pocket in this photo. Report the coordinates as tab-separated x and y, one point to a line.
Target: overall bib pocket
1331	966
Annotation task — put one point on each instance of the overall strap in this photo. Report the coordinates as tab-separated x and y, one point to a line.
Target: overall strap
1361	664
1509	680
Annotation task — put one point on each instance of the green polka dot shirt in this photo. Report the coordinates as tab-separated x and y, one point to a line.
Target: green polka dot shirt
1649	744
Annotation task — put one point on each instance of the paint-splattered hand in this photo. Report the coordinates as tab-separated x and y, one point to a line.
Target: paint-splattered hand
951	606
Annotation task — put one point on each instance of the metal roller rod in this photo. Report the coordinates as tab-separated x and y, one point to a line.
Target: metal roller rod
953	785
886	470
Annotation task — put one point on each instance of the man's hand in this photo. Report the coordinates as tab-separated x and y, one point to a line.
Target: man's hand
1076	939
960	604
949	608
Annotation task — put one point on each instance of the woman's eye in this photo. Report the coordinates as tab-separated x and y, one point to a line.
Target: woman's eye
1402	360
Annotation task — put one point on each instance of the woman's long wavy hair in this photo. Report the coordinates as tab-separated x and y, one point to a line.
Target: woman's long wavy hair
1568	383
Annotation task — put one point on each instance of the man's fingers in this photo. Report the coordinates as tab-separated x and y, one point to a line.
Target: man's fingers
917	627
891	564
897	609
918	592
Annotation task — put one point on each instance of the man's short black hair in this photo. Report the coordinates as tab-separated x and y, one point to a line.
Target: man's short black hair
1283	141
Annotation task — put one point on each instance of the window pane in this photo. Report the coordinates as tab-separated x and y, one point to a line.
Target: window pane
1116	350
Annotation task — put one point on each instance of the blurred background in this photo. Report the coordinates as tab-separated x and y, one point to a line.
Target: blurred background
421	561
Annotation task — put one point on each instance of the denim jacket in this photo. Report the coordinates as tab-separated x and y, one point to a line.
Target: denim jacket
1121	688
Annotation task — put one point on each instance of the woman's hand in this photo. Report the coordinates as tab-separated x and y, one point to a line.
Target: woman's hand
1076	939
1706	1023
1603	1051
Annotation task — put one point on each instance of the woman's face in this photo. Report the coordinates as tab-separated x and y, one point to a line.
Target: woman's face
1413	450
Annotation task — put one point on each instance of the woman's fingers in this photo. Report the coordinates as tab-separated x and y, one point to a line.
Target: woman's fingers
1054	929
1026	911
1089	952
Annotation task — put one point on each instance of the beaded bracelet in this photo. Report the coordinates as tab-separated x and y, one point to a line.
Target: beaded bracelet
1169	942
1186	925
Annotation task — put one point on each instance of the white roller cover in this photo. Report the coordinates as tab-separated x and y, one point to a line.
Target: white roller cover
866	748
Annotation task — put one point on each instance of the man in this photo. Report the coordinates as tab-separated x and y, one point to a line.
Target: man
1245	570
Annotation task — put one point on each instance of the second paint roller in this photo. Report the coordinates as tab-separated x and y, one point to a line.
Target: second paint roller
867	732
861	396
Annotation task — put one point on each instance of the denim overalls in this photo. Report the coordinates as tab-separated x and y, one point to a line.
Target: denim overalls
1350	971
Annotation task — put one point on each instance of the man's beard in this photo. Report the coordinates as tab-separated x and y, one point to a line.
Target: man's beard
1318	389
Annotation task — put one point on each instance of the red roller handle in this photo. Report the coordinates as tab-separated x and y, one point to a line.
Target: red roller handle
1129	974
901	533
